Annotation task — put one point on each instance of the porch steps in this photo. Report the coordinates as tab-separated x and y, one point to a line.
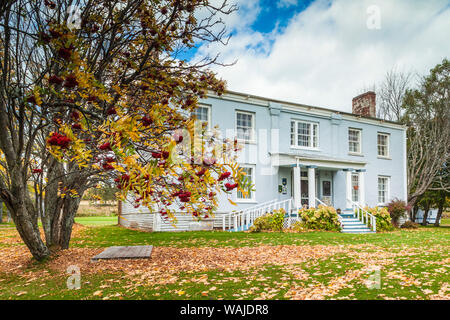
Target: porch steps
351	224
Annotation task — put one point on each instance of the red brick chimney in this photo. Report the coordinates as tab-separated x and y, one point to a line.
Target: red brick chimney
365	104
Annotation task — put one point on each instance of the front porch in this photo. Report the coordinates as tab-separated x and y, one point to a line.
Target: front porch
313	181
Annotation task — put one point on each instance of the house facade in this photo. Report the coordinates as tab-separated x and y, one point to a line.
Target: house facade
307	153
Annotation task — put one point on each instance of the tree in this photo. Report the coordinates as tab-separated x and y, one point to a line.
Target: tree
102	92
104	191
391	93
427	115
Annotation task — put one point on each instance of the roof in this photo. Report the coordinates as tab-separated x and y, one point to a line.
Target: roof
247	97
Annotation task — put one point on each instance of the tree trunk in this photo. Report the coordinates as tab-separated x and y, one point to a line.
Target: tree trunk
29	232
440	210
1	212
62	225
425	214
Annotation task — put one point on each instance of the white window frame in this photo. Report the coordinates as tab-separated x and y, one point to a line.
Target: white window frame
388	152
359	141
252	131
252	199
387	191
209	115
312	124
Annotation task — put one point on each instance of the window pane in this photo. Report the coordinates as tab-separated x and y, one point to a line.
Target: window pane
382	189
383	144
292	133
326	188
303	134
244	123
354	140
355	187
249	176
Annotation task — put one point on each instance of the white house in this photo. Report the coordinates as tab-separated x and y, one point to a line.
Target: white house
311	155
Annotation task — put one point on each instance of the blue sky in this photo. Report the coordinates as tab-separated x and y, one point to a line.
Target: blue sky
324	52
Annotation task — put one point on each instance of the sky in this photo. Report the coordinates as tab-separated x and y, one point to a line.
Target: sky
325	52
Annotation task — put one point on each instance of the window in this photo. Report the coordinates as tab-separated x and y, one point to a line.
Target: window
245	126
354	140
383	189
355	187
249	171
304	134
202	114
383	145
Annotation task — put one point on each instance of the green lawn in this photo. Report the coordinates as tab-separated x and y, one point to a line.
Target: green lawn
413	264
113	235
96	221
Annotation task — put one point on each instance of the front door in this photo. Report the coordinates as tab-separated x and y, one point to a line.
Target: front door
326	192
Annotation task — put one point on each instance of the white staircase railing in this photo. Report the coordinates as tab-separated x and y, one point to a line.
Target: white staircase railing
245	218
364	216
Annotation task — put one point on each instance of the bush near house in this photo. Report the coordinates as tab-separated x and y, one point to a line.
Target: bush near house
384	220
397	209
269	222
321	218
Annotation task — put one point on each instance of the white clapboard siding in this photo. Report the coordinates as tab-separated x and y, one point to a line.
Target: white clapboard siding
142	218
142	221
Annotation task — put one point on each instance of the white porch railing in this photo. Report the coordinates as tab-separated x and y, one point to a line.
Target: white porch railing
364	216
242	220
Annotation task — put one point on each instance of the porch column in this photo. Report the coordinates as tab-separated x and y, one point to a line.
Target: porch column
297	191
362	188
348	188
312	186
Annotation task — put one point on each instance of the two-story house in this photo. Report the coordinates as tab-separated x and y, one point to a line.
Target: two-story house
307	153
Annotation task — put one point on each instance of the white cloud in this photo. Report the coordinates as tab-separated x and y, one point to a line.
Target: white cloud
326	54
286	3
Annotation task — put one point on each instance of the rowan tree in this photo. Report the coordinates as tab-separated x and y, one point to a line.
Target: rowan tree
93	90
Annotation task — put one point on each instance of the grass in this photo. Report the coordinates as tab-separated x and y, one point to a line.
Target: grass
114	235
96	221
413	266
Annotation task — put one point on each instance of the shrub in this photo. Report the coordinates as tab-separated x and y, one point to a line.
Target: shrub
384	221
397	209
321	218
409	225
298	226
269	222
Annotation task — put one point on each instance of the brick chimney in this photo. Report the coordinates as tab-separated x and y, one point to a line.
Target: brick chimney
365	104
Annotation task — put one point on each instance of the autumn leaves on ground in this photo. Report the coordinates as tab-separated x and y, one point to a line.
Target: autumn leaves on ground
219	265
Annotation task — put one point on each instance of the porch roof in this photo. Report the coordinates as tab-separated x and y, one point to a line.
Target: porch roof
290	160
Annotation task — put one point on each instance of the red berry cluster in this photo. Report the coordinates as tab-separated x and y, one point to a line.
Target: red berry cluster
184	196
224	176
57	139
71	81
122	181
111	111
105	146
54	79
146	121
37	170
230	186
160	155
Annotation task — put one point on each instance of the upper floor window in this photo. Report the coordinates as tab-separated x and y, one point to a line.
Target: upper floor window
383	189
203	114
354	140
249	171
383	145
245	126
304	134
